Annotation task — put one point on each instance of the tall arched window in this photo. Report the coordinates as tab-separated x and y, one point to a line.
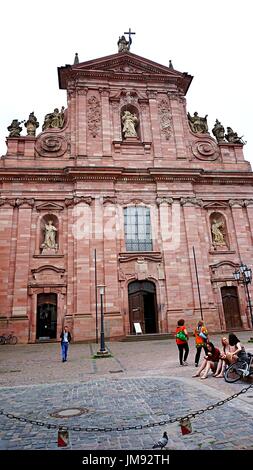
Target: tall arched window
137	229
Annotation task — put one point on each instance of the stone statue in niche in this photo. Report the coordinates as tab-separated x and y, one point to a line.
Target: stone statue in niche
14	128
217	232
198	124
218	131
130	122
31	124
49	244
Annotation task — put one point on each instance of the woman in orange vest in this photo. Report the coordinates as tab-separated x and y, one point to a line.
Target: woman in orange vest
201	336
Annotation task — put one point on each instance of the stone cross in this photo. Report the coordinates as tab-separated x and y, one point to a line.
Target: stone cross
129	34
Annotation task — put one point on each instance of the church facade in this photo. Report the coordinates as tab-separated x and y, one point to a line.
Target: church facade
124	175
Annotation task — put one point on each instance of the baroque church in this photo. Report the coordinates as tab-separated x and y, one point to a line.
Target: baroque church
123	189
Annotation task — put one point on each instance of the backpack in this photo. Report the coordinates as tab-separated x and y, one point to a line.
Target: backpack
181	335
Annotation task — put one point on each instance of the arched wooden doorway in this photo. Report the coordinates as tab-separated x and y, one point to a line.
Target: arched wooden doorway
143	306
46	316
231	307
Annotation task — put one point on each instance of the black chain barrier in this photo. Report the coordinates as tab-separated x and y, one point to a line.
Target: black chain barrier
124	428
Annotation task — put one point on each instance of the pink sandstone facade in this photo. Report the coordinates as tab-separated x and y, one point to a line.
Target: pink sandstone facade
142	202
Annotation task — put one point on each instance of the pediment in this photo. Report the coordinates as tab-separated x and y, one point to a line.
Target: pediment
48	275
49	206
223	269
128	63
123	65
215	205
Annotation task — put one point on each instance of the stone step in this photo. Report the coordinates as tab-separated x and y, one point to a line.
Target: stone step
148	337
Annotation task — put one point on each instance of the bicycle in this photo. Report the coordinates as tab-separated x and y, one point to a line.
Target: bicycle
240	369
9	339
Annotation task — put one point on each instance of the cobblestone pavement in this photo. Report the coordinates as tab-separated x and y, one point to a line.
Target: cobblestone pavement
142	383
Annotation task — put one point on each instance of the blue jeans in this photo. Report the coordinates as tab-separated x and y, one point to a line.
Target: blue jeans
64	350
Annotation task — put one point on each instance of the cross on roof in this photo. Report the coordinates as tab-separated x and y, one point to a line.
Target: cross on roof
129	32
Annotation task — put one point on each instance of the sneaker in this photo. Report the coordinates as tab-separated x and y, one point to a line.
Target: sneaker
185	363
196	365
181	365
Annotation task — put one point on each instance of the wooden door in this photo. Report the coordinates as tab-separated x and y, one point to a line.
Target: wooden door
231	307
136	311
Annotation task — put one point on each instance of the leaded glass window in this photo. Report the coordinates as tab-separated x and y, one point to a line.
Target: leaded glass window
137	229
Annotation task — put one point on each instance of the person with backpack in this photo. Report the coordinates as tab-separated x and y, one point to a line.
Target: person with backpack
182	342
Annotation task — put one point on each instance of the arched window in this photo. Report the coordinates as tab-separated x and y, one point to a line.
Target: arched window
137	228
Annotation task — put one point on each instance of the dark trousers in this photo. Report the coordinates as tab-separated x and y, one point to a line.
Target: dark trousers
183	350
64	350
198	352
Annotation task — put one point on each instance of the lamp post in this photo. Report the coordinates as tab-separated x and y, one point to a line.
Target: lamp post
102	333
244	275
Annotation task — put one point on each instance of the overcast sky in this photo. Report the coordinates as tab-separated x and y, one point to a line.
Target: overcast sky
210	40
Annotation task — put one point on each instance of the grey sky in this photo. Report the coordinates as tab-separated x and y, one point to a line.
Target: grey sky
208	39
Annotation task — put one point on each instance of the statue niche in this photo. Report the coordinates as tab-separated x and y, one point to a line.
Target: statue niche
130	123
49	235
218	230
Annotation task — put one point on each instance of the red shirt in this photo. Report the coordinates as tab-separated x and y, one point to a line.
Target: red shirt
181	328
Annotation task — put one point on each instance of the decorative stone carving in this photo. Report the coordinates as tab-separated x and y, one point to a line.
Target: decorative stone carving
51	145
69	202
54	120
236	202
233	138
191	201
248	202
165	118
82	91
17	202
31	124
14	128
29	202
141	267
164	200
109	200
94	116
205	150
128	97
151	94
218	131
198	124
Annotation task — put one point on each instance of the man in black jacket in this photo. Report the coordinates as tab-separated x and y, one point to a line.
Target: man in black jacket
65	340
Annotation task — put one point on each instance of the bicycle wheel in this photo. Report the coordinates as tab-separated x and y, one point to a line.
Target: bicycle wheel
235	371
13	340
2	339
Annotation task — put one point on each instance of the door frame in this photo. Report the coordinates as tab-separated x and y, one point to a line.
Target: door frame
141	291
235	288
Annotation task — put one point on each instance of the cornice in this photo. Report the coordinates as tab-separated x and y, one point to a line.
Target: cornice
152	175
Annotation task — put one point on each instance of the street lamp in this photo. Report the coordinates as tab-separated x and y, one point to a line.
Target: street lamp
102	333
244	275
